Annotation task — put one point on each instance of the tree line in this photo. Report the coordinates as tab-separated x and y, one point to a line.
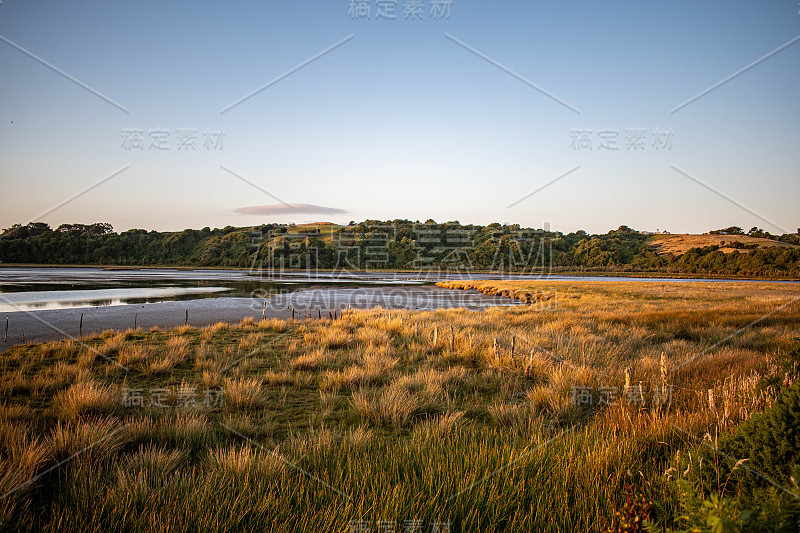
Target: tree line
395	244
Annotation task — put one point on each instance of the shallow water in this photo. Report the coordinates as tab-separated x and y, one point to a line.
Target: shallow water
50	303
67	299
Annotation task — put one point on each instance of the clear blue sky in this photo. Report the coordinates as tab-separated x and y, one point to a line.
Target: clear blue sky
401	121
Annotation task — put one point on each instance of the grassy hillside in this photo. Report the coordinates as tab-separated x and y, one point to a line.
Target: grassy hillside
681	243
585	406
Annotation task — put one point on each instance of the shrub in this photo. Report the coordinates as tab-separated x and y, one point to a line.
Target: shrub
770	440
714	514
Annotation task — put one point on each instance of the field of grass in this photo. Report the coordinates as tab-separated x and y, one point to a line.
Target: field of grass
584	408
677	244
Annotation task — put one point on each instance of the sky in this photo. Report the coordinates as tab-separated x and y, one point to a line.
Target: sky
679	116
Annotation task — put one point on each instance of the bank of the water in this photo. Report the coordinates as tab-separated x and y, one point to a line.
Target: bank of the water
312	303
491	273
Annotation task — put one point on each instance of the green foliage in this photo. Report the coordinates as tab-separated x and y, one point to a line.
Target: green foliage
732	230
770	441
714	514
759	463
397	244
719	514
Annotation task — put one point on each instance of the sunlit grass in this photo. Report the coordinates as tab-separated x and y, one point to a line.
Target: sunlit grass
449	415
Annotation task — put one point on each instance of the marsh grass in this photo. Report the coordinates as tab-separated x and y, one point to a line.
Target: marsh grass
392	410
311	361
23	455
134	355
86	398
91	439
243	393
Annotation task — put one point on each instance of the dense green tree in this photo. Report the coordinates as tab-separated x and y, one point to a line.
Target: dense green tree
390	244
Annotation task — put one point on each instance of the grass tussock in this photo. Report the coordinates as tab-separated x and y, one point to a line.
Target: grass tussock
92	439
332	339
275	325
209	332
23	456
86	398
438	427
251	341
177	349
243	393
245	462
311	361
391	408
134	355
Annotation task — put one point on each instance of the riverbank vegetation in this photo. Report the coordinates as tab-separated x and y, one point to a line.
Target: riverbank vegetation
596	408
403	244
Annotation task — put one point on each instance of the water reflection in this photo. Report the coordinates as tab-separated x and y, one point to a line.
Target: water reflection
44	288
68	299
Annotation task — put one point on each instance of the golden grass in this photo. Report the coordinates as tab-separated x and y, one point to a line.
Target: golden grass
160	366
23	456
272	378
177	349
184	330
393	404
86	398
679	243
188	428
251	341
245	462
311	361
91	439
359	437
209	332
393	407
331	338
438	427
243	393
156	461
134	355
274	324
